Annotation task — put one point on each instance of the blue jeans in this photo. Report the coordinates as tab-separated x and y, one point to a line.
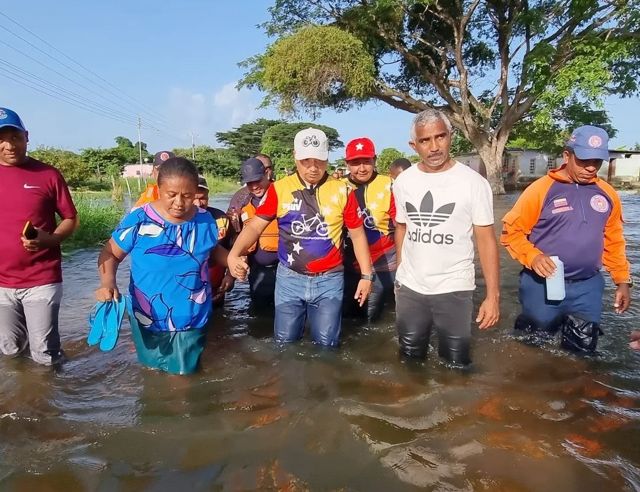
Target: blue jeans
583	298
317	298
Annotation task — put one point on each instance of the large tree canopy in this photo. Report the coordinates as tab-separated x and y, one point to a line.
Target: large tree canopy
490	65
246	140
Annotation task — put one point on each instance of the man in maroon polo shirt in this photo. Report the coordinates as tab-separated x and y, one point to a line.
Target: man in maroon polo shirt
30	267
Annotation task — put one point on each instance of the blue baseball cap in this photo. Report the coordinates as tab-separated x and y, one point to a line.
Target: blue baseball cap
11	118
589	142
252	170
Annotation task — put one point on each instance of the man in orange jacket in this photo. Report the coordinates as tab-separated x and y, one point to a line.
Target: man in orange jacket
572	214
151	193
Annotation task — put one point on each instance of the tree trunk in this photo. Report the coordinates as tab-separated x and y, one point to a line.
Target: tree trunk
491	152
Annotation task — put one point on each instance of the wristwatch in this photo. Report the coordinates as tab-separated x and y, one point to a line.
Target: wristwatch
371	276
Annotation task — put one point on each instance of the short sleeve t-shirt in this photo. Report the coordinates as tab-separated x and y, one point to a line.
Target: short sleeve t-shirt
310	222
169	282
439	211
37	192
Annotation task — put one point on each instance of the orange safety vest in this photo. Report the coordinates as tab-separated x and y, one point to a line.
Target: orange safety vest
151	194
269	238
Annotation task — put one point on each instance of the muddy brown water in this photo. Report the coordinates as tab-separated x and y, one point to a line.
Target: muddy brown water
260	417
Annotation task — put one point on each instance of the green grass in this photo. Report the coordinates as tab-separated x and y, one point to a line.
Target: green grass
219	185
97	220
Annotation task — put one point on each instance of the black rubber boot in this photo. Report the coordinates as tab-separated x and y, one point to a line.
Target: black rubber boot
579	335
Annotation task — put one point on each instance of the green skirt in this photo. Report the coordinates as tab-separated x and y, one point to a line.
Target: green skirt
175	352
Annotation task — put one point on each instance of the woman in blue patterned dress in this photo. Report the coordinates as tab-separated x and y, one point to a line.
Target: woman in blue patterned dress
171	242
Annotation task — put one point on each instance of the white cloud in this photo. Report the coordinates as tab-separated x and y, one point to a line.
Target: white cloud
238	103
221	110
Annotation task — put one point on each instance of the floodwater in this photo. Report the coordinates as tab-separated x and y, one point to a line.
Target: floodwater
260	417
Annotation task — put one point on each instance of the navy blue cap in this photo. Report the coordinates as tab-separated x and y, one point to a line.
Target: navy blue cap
589	142
162	156
11	118
202	182
252	170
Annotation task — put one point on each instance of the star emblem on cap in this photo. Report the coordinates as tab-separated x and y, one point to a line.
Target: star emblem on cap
359	146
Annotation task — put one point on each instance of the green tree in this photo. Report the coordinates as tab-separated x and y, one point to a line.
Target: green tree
487	64
246	140
277	142
74	169
460	145
530	134
386	157
223	163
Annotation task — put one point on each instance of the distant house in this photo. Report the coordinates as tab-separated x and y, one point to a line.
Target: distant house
623	165
519	166
137	171
522	166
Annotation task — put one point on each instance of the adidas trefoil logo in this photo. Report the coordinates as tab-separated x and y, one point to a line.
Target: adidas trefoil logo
427	217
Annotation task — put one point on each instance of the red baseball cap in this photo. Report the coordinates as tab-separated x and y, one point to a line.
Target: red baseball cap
360	148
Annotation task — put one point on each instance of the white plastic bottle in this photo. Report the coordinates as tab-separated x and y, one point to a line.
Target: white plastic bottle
555	283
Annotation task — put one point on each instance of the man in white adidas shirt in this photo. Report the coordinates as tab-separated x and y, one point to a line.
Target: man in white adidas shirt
441	205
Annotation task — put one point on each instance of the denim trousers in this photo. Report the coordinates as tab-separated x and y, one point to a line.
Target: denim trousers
583	298
317	298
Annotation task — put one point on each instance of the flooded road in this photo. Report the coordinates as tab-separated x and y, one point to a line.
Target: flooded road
259	417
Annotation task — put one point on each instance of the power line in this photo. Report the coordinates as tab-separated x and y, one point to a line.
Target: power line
26	82
62	94
147	110
18	72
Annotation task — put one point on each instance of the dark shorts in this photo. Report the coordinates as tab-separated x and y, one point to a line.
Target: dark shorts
175	352
450	314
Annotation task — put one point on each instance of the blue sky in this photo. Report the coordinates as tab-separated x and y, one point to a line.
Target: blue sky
177	64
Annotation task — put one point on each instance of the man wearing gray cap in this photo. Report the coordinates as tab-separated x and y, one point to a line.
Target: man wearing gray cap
574	215
151	193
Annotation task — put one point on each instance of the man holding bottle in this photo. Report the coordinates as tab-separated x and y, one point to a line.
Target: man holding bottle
572	214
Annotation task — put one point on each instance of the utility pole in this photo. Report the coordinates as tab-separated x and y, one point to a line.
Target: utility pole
193	146
140	153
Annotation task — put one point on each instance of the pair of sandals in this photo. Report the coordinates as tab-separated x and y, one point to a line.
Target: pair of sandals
105	321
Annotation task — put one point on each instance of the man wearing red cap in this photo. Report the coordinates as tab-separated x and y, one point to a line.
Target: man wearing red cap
376	207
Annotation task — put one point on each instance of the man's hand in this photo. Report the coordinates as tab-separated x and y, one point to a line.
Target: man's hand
635	340
543	265
107	293
237	266
228	282
44	240
622	298
489	312
363	291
